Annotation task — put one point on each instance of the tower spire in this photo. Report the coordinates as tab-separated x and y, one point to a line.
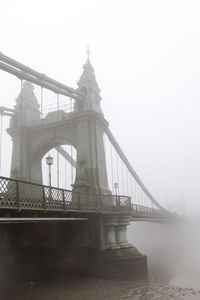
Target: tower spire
88	87
87	78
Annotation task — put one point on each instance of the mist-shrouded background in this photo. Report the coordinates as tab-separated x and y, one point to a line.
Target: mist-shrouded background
172	250
147	64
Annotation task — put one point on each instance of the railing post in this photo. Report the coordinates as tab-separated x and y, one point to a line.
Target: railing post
79	202
130	204
18	196
119	203
63	195
100	202
43	199
96	204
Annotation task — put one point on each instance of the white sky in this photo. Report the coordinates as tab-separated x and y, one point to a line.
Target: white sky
146	60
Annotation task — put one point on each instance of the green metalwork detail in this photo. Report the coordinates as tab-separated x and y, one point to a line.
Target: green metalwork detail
22	195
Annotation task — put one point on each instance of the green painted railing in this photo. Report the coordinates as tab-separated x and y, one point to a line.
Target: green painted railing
22	195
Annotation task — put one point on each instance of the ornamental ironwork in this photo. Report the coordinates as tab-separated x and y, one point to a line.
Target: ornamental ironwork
22	195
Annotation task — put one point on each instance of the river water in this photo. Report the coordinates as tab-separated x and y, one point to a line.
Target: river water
174	270
172	250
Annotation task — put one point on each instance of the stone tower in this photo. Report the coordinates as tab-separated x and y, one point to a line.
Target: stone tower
91	171
83	128
26	113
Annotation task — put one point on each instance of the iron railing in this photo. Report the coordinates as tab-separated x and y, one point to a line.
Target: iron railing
22	195
146	211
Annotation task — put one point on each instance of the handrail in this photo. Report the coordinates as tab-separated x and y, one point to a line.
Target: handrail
21	194
24	195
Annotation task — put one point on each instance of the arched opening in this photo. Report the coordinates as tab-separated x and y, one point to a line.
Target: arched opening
63	151
63	169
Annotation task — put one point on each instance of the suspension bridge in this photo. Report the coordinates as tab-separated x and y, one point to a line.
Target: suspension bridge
103	183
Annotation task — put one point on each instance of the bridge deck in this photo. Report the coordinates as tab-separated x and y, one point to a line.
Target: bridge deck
21	196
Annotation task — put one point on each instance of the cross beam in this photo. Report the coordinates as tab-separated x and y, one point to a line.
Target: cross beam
23	72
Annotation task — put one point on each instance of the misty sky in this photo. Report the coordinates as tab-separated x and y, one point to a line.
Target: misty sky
146	60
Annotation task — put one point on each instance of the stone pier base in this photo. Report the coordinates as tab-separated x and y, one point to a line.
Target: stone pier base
120	264
120	260
97	247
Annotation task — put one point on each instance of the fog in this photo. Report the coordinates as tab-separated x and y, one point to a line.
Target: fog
172	250
147	64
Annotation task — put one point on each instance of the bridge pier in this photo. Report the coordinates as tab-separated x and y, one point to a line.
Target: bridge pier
115	231
110	223
119	259
96	247
121	231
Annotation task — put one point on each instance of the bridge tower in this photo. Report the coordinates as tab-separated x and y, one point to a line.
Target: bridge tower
33	137
26	112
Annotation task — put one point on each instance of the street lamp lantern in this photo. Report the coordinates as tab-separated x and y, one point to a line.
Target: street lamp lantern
116	187
49	162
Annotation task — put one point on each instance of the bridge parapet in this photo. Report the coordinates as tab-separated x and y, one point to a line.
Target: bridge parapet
146	211
21	195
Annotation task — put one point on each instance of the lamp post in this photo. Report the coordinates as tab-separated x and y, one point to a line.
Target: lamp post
116	187
49	162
